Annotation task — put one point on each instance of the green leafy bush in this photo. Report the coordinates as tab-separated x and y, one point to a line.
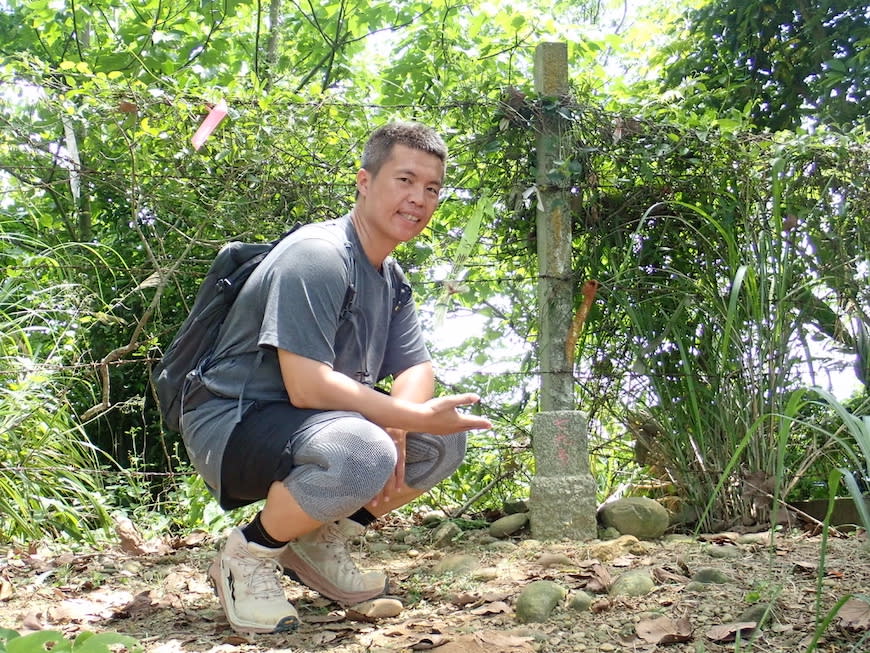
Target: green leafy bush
51	478
52	640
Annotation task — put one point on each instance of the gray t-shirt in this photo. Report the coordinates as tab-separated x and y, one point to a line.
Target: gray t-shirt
294	301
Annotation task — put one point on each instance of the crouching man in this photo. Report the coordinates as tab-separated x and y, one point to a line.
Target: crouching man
286	410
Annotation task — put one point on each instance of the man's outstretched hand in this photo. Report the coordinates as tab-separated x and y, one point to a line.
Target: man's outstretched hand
442	417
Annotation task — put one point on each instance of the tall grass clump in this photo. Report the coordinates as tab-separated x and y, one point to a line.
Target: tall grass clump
717	326
853	439
50	484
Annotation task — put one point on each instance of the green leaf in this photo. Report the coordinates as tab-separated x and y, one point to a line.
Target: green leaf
5	635
470	235
39	642
836	65
105	643
728	124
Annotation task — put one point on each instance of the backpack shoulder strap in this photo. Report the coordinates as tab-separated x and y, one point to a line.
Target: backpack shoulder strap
350	293
402	292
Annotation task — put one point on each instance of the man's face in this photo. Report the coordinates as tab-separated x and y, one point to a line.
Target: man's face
401	198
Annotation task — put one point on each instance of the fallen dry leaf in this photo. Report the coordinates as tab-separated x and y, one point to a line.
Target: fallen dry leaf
33	621
405	629
599	579
133	543
140	606
131	540
495	595
488	641
464	644
192	539
426	642
717	538
6	590
324	637
804	567
75	611
548	560
728	632
662	576
172	646
498	640
332	617
69	560
855	614
498	607
464	598
664	630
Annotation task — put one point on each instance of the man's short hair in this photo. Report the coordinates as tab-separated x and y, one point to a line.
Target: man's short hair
410	134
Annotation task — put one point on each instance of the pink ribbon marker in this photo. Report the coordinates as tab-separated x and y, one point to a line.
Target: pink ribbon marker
212	120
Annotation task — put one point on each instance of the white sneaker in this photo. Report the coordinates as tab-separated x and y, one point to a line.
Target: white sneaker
249	590
321	561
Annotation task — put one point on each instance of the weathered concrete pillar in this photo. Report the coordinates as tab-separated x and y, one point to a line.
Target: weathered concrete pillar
555	269
562	500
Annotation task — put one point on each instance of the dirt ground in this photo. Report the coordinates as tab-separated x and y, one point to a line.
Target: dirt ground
161	596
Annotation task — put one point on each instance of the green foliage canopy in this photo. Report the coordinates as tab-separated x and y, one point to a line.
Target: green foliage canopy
784	61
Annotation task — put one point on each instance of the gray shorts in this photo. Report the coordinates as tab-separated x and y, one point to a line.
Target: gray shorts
332	462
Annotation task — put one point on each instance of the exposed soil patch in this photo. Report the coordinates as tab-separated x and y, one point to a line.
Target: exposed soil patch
164	600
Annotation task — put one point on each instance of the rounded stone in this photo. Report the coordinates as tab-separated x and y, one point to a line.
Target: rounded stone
485	574
457	564
639	516
518	505
446	533
608	533
381	608
710	575
502	546
725	552
537	601
509	524
636	582
581	601
757	613
434	517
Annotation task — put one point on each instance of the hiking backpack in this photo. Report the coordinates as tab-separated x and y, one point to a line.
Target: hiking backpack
197	335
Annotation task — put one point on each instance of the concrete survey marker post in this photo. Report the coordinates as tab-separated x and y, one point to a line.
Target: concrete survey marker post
562	498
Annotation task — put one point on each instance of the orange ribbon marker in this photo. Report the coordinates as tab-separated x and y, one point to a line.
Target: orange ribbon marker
589	289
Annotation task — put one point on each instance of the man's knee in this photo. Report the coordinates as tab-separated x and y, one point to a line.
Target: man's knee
341	468
432	458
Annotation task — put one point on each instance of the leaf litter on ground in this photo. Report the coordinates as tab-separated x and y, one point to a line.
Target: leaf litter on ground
162	598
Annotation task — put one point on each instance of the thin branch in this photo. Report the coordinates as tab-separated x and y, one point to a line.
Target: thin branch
215	26
257	40
480	493
76	30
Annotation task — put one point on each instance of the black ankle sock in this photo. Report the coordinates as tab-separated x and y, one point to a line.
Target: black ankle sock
255	532
363	517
